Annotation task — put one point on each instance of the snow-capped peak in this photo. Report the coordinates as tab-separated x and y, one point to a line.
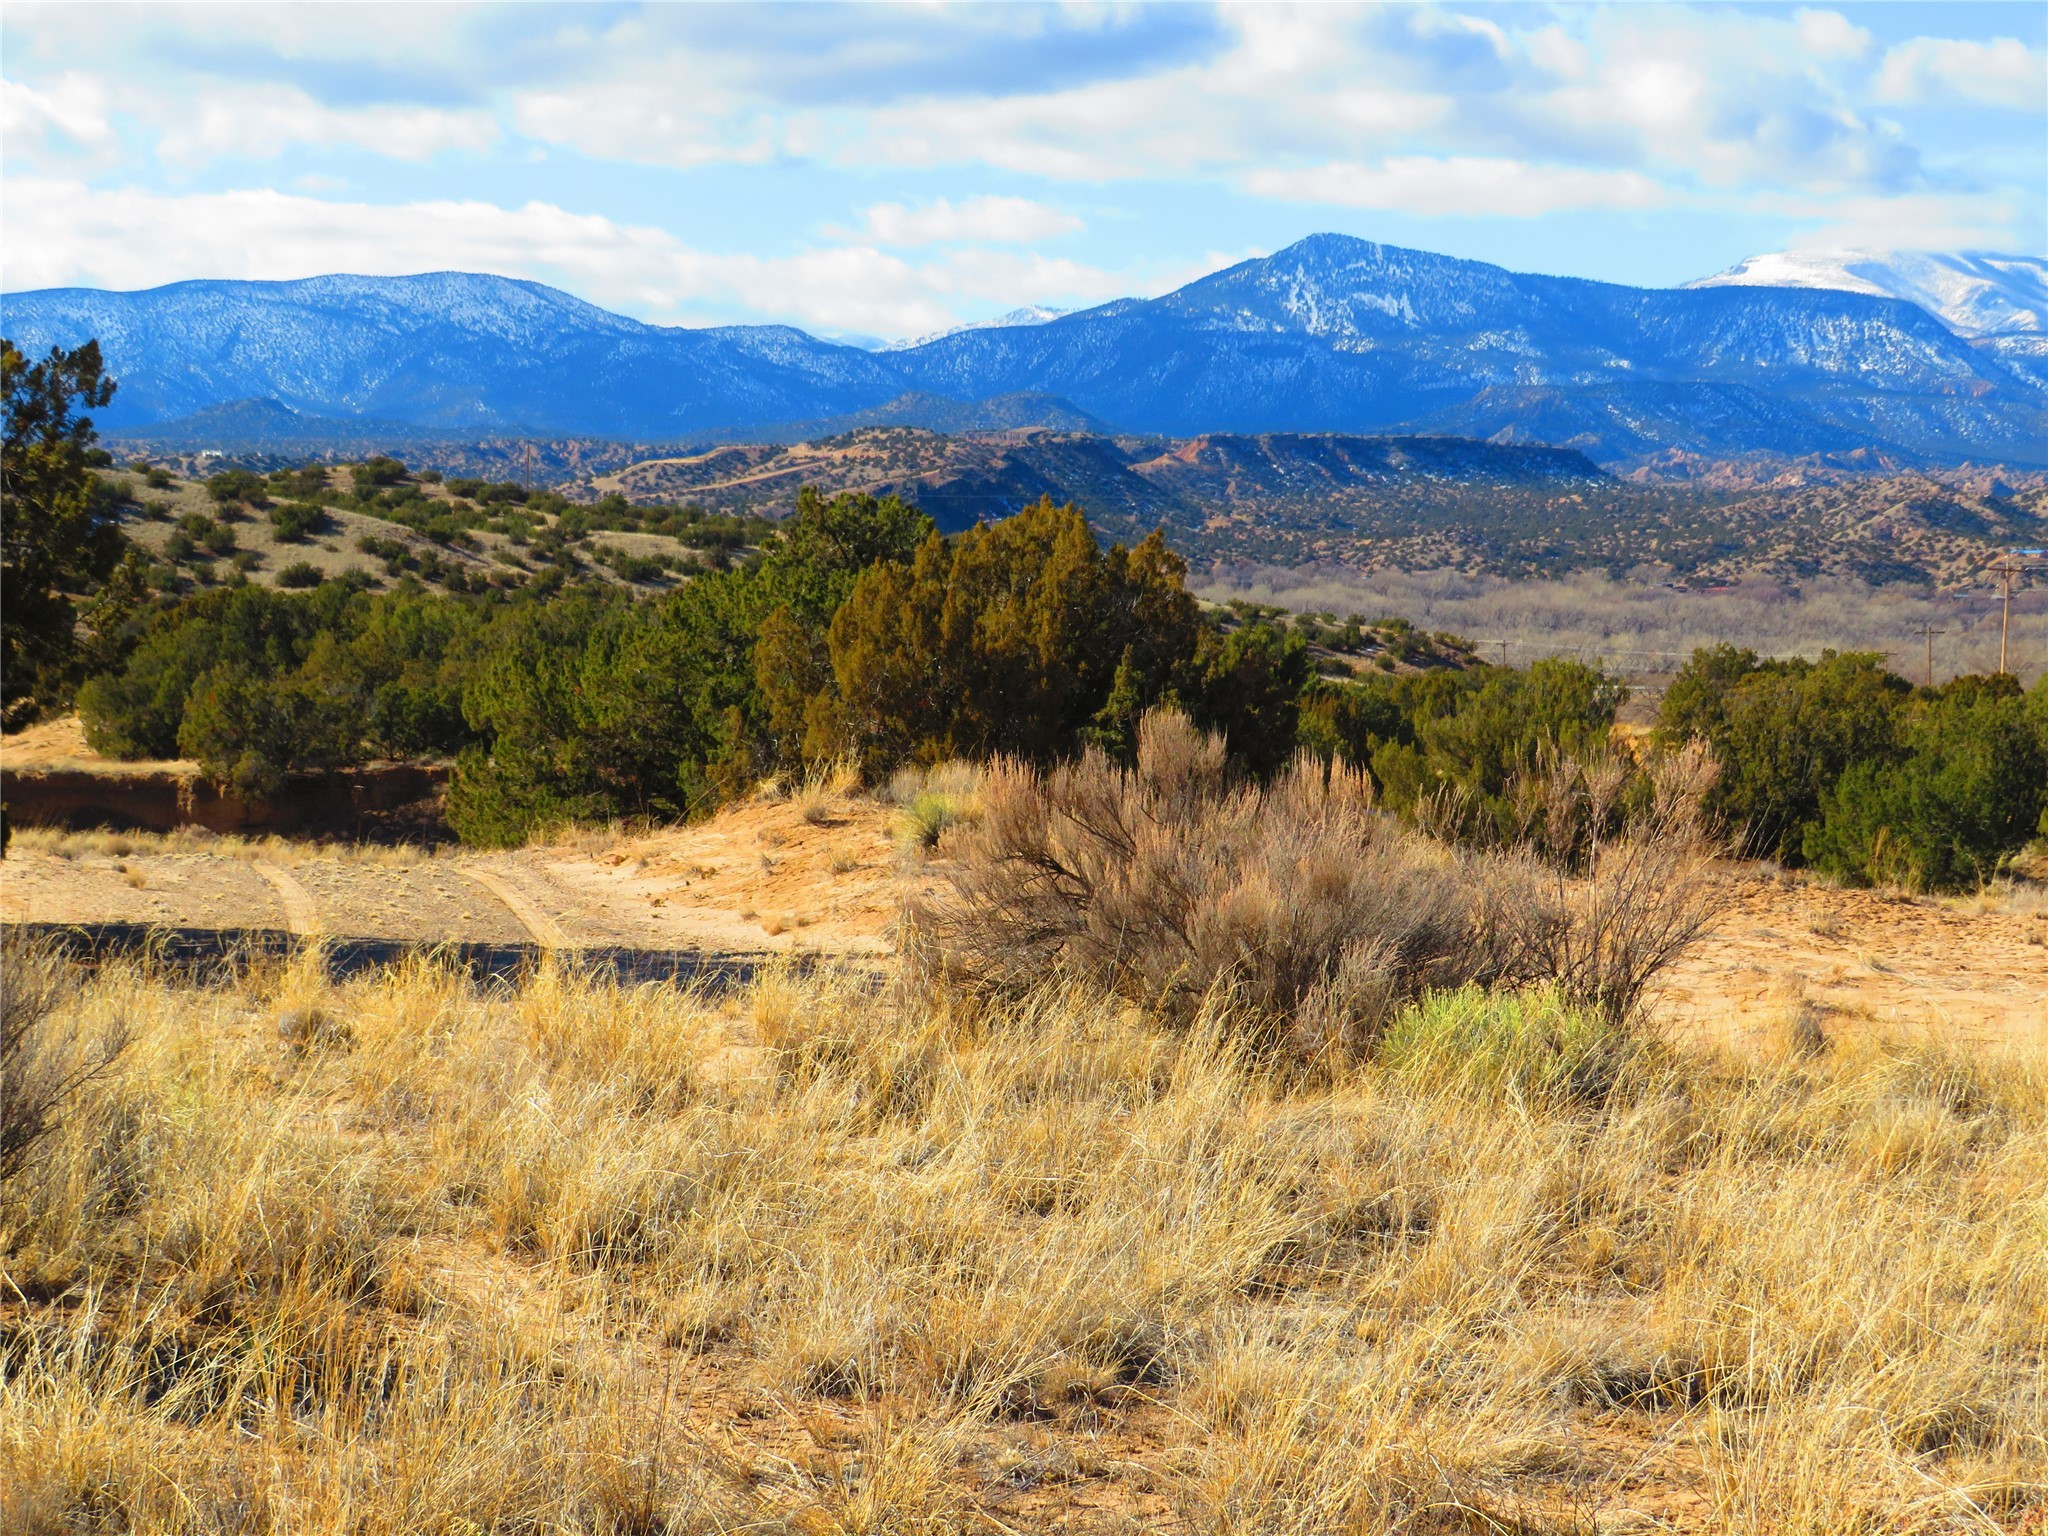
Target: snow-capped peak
1029	314
1975	293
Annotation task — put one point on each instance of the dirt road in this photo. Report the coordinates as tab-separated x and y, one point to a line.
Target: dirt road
827	878
760	877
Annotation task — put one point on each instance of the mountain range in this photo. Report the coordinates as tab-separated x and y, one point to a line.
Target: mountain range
1331	335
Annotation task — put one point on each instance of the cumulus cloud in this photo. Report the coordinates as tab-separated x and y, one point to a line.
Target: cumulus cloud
1005	220
1461	185
73	109
1831	35
263	123
2002	73
679	121
1424	110
64	232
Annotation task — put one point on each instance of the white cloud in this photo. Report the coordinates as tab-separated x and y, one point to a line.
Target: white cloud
1460	185
1008	220
261	123
1831	35
1920	221
63	232
679	121
2002	73
1296	80
73	106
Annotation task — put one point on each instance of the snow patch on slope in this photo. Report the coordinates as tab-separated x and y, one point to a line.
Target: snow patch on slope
1975	293
1028	314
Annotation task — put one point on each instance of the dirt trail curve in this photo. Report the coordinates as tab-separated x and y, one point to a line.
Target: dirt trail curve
760	878
301	915
545	930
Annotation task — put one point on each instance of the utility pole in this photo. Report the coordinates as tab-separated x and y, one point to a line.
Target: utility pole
2012	563
2005	617
1503	654
1930	632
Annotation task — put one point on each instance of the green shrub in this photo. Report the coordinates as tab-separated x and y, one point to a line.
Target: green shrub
293	520
927	817
1010	638
377	472
1968	791
236	485
1784	733
397	663
1528	1047
300	573
249	731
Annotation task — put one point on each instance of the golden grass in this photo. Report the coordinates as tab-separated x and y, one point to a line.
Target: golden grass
189	841
813	1258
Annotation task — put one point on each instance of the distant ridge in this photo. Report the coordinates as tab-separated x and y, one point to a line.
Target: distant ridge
1127	484
1332	334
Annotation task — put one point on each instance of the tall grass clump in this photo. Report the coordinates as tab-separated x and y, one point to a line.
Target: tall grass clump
1177	881
46	1059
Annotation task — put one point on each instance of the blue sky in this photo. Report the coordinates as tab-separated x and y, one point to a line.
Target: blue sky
891	170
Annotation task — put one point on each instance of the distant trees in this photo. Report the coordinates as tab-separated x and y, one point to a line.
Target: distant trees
255	683
60	537
659	711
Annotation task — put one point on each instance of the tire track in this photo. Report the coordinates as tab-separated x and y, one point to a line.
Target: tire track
301	912
547	933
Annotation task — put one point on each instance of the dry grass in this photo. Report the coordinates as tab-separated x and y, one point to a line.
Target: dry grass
1320	917
197	841
817	1259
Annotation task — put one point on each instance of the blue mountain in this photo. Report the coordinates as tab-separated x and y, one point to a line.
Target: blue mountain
1333	334
455	350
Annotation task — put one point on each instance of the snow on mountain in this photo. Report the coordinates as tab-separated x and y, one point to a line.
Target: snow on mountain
1333	334
1028	314
1337	334
1975	293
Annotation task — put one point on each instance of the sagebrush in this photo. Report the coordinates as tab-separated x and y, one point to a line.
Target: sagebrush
1179	881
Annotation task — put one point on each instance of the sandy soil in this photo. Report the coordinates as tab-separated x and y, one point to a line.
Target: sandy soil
175	890
429	903
1973	969
767	877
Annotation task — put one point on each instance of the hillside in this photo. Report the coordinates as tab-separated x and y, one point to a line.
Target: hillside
1333	334
457	534
1417	503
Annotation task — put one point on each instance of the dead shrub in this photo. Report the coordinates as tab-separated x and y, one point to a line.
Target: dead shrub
1175	881
1620	860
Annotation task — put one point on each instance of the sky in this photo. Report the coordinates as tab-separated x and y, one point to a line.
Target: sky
888	171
